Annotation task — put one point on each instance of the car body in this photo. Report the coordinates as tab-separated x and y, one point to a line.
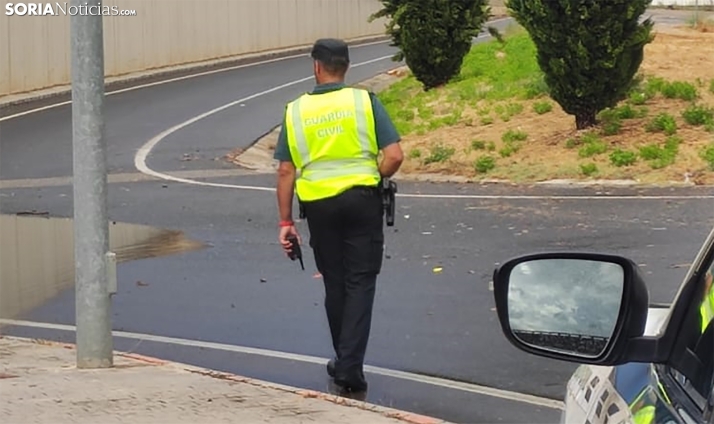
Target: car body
641	363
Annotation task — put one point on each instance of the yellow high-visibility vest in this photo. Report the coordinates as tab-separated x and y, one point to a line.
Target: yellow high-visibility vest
333	142
706	310
646	415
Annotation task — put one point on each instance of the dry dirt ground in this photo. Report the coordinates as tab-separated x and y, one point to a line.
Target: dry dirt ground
676	54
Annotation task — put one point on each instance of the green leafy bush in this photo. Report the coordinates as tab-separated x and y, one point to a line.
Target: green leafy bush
621	157
588	169
592	145
542	107
708	155
433	36
679	90
664	122
484	164
698	115
439	153
589	51
660	157
478	144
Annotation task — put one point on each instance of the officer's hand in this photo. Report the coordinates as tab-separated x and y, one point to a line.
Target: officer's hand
285	232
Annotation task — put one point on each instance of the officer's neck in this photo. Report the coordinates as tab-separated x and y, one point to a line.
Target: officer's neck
330	80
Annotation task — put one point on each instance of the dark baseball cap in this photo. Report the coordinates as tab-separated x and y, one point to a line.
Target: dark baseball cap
327	49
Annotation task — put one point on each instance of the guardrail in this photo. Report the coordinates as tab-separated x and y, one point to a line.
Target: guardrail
145	35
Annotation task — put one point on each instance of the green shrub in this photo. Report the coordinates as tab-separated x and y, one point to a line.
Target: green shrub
439	153
478	144
414	153
679	90
626	112
484	164
611	122
589	51
621	157
542	107
661	157
638	98
592	149
588	169
433	36
708	155
514	135
663	122
698	115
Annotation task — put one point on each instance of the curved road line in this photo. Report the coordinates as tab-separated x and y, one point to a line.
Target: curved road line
433	381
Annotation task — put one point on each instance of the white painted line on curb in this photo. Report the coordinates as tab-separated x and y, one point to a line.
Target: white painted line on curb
433	381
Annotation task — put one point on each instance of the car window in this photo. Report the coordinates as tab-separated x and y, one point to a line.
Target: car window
702	344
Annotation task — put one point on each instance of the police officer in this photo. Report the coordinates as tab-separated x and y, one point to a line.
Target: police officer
333	136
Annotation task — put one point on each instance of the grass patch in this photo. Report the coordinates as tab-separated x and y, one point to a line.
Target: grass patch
663	122
698	115
588	169
658	156
439	153
708	155
542	107
492	72
484	164
679	90
592	145
620	157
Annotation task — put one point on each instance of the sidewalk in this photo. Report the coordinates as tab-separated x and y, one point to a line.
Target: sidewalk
40	384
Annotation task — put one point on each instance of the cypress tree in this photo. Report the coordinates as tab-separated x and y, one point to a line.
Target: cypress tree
433	36
589	50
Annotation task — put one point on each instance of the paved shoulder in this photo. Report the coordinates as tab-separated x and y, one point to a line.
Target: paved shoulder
40	384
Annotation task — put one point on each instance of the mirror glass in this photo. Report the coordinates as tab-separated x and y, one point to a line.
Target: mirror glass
565	305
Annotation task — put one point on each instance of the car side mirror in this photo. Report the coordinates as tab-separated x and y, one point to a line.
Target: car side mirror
578	307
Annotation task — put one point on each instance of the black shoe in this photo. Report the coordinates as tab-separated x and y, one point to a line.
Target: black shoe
353	384
331	367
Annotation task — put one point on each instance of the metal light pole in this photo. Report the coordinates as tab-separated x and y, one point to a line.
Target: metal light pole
91	227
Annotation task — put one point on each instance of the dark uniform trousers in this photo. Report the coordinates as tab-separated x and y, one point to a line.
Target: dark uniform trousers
347	237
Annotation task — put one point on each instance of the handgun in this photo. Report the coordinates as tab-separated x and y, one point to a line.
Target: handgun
295	250
389	191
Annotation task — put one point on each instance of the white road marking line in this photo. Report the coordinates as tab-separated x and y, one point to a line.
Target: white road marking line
433	381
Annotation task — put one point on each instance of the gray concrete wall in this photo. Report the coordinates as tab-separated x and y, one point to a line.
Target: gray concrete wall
156	34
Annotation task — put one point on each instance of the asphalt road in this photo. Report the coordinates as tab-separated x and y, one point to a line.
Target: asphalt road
240	290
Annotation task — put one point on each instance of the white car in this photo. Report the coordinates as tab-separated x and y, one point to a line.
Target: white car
642	363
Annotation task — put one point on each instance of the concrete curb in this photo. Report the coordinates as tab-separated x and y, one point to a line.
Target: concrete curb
404	416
